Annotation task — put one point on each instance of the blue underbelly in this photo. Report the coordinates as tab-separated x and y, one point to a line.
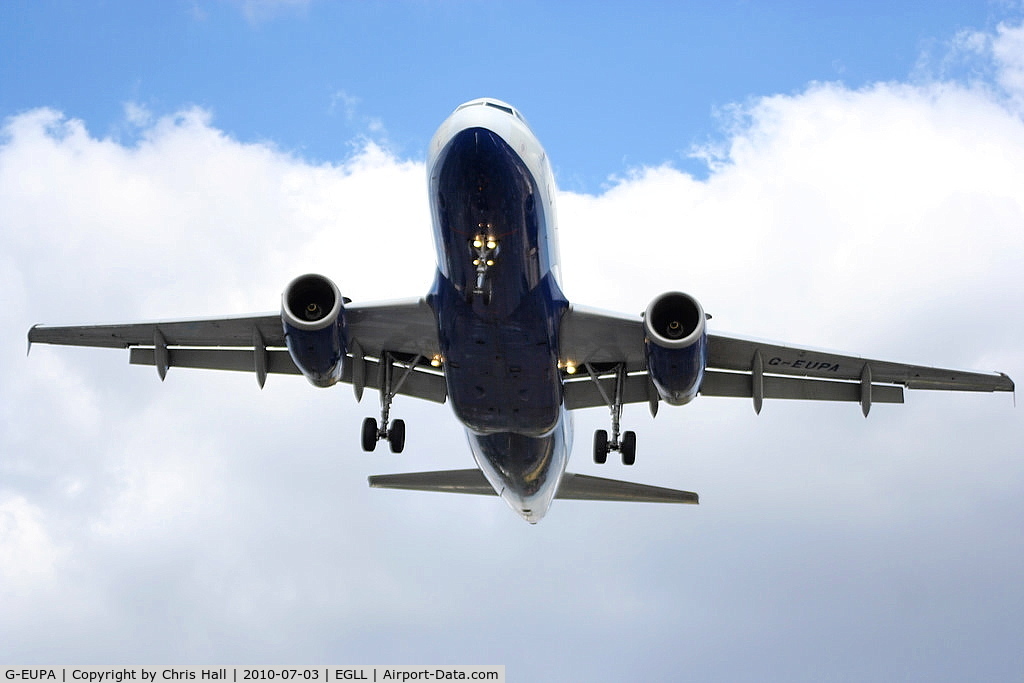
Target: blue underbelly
502	371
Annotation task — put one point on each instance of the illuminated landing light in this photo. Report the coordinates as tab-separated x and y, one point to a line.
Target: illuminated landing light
436	361
479	242
570	367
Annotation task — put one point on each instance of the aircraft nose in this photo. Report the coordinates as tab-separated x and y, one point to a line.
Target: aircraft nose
532	508
523	470
528	513
477	145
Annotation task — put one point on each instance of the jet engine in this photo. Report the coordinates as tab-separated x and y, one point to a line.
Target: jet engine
313	313
676	342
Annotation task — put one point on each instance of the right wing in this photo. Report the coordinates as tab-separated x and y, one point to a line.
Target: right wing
404	332
740	367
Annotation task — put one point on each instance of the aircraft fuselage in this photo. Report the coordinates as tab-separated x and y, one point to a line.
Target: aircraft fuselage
497	299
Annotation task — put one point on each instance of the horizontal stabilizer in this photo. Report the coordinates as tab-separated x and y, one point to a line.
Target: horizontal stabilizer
582	487
446	481
573	486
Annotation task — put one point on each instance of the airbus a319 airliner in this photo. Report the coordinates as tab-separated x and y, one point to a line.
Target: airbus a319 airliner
496	338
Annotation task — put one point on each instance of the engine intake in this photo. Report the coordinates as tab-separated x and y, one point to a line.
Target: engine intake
676	341
313	315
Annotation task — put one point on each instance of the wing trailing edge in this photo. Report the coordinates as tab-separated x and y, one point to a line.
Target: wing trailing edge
745	368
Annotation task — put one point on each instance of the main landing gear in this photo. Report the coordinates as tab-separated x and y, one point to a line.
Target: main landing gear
392	431
627	444
395	436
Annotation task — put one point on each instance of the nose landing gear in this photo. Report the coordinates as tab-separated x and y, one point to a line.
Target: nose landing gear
484	249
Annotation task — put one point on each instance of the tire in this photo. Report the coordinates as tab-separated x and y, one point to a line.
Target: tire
396	436
601	446
628	448
369	434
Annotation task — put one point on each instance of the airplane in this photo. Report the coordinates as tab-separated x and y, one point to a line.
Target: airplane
497	339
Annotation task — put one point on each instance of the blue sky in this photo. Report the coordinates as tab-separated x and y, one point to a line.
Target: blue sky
607	85
856	186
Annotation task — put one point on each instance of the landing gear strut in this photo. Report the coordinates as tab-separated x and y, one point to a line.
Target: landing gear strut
627	444
392	431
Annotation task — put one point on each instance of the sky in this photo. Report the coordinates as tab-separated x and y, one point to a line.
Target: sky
846	179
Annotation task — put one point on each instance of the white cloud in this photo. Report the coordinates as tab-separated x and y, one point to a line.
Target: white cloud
1008	53
990	60
186	199
28	554
348	104
867	197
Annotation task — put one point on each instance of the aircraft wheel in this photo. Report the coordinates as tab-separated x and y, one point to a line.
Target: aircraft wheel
628	448
369	434
600	446
396	436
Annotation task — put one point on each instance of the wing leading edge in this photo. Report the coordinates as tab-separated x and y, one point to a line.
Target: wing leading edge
403	331
748	369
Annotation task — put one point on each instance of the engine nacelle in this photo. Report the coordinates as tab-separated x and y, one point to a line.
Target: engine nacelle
676	343
313	313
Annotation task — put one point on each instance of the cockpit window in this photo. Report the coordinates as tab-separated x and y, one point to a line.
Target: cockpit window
507	110
494	105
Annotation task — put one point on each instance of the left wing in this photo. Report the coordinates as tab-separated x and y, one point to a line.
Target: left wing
598	342
403	331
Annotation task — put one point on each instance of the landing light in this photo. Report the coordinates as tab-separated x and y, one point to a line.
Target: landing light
477	244
435	361
491	244
570	367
